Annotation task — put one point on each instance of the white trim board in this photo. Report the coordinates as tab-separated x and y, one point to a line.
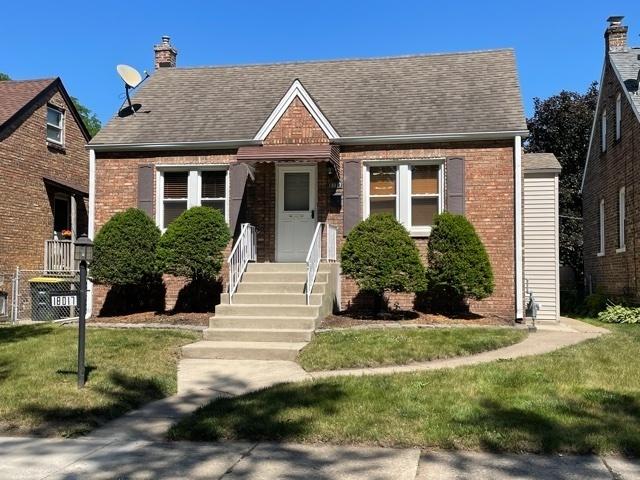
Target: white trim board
296	91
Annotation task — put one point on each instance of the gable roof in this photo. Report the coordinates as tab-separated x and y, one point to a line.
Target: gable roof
532	162
17	96
14	95
460	93
626	66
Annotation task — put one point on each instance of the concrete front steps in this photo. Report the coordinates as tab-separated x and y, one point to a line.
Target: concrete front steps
269	318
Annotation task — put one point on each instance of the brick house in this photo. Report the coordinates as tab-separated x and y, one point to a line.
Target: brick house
295	154
610	176
44	175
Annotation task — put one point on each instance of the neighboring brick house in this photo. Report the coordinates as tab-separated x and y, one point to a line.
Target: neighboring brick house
285	146
611	173
44	175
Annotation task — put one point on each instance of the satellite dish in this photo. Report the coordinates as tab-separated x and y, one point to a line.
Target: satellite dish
132	79
129	75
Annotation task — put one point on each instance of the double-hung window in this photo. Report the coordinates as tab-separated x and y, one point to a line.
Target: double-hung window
621	214
410	191
55	125
603	131
601	228
181	189
618	117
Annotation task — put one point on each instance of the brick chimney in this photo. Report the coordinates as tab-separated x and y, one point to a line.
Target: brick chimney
165	53
615	36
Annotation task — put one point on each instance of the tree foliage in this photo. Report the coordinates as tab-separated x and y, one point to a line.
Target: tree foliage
381	257
89	118
459	267
561	125
193	243
125	249
4	76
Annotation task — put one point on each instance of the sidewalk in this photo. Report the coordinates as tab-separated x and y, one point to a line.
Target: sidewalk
58	459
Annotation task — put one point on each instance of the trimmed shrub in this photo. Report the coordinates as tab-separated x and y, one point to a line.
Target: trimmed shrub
193	243
125	249
595	303
620	314
459	267
381	257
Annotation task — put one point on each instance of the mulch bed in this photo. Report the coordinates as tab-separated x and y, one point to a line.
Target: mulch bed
197	319
346	320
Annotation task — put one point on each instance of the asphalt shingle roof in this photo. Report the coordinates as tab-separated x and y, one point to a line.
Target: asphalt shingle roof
628	65
540	161
425	94
16	94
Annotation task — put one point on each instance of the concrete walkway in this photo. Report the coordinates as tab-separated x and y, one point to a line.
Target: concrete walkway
59	459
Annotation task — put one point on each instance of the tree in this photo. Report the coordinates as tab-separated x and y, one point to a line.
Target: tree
193	243
561	125
125	249
459	267
381	257
89	118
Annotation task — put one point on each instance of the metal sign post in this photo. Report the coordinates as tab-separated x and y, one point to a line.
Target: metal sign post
81	322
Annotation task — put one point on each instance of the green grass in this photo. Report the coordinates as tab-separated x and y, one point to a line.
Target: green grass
38	368
584	398
395	346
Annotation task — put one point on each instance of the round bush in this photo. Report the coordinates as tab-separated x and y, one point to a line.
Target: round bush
193	243
125	249
459	266
380	256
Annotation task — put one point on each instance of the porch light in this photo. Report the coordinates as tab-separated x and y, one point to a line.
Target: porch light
83	250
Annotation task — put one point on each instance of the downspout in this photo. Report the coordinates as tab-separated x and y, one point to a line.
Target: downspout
92	221
517	149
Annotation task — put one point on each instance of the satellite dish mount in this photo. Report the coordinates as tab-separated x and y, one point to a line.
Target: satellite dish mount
132	79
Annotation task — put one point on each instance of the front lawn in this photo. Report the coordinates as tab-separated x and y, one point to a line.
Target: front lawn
396	346
584	398
38	365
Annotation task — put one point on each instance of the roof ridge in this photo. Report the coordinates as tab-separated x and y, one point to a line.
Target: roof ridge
339	60
33	80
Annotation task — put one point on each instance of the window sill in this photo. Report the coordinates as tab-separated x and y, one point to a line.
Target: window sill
600	254
621	249
56	146
420	232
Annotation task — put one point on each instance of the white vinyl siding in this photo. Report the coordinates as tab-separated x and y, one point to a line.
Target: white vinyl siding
541	251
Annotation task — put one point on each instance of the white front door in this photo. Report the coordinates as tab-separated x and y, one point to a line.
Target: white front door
296	212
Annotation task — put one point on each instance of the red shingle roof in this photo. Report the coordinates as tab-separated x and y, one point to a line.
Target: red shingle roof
16	94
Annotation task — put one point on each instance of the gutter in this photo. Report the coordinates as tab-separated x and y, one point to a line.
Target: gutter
364	140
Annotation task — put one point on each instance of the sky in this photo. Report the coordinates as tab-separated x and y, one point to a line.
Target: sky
558	44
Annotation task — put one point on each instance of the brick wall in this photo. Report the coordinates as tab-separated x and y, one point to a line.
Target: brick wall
489	197
117	190
26	209
615	273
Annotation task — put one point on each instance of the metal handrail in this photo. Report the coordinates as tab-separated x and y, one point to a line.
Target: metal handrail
242	253
313	259
314	256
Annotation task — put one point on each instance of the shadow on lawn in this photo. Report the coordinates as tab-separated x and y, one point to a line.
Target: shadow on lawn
23	332
122	394
264	415
599	421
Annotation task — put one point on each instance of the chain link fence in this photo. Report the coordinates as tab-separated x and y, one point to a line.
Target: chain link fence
25	295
